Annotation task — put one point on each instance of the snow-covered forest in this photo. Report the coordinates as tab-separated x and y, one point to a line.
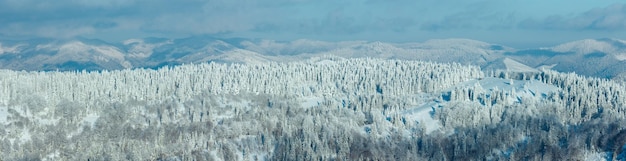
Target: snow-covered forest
324	108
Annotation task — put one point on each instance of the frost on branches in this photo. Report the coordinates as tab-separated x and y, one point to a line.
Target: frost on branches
324	108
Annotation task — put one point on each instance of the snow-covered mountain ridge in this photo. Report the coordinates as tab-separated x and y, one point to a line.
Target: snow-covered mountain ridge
592	57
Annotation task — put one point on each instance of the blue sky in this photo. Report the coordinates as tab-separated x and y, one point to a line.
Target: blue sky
517	23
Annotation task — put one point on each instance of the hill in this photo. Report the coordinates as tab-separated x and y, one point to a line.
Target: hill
323	108
603	58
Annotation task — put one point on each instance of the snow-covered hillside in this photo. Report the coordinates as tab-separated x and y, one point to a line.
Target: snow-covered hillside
602	58
614	47
324	108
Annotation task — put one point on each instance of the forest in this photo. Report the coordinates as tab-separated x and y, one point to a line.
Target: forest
325	108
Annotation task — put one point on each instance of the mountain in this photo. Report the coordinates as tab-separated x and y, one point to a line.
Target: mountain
63	55
591	57
508	64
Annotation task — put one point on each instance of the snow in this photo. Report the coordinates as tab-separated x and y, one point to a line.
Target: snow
423	115
214	155
91	119
595	156
140	49
610	46
52	156
228	107
309	102
40	117
140	53
254	153
512	65
300	46
547	66
241	56
584	46
532	88
444	43
4	114
76	50
24	137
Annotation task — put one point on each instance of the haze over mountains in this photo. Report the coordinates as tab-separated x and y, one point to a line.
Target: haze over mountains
592	57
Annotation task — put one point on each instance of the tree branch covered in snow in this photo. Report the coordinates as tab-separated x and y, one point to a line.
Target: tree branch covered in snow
324	108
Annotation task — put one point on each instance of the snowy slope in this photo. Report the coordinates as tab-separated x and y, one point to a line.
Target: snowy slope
445	50
592	57
65	55
613	47
513	65
516	90
519	89
508	65
154	52
139	48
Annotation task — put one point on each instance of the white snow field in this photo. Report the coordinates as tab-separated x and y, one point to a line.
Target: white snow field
325	108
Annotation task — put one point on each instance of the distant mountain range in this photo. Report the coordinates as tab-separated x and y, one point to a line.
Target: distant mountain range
592	57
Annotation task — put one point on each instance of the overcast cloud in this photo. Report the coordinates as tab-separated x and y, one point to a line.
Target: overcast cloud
514	22
611	18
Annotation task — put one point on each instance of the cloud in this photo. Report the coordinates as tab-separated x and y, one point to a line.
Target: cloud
611	18
471	21
104	25
379	20
319	18
198	16
68	18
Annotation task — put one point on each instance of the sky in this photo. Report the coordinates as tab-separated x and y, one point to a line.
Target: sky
516	23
